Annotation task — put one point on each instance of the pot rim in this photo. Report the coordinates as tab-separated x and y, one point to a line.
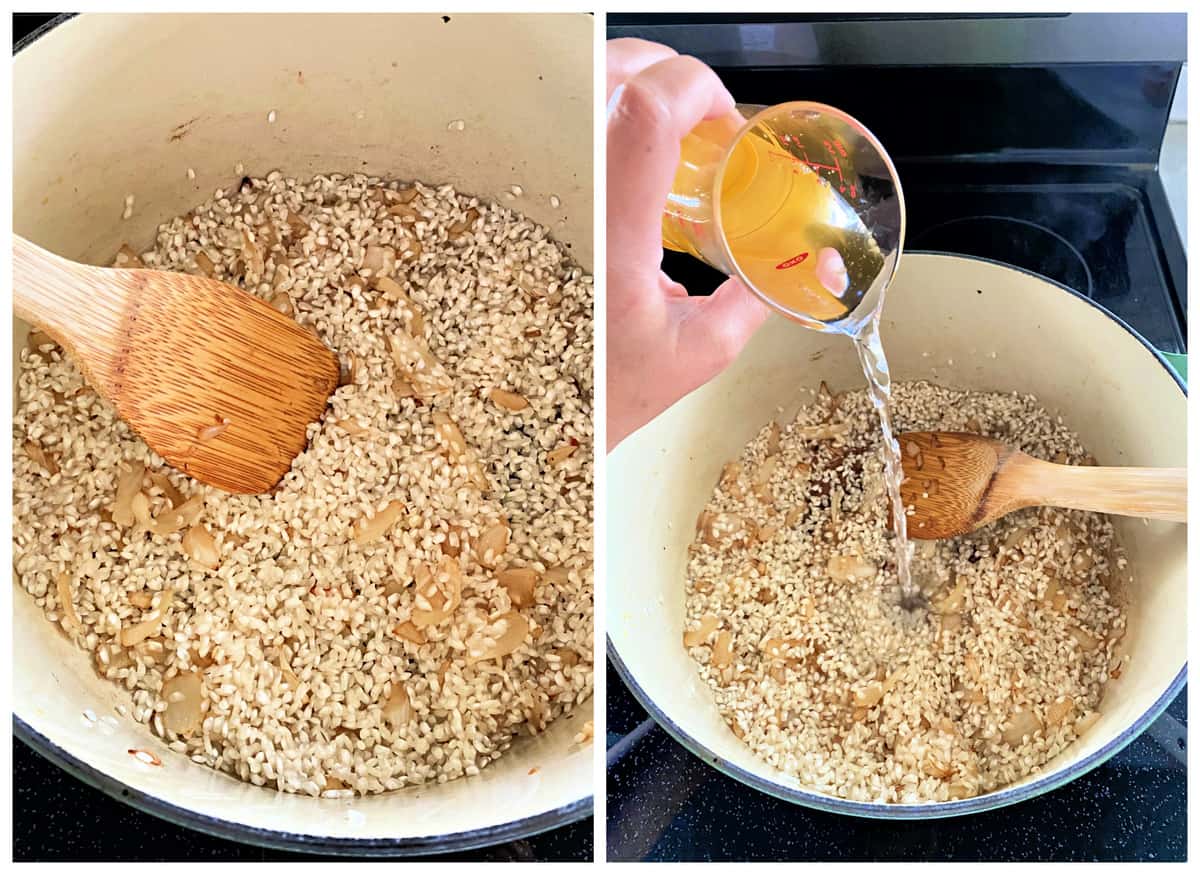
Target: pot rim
930	810
226	829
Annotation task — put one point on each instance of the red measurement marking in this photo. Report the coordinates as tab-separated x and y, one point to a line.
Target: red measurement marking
815	166
791	262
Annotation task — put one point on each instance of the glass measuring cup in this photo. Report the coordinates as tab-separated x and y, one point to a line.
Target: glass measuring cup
798	200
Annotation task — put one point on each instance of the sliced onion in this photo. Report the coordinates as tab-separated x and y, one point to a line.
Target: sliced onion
455	541
128	485
403	195
415	363
1022	723
777	648
773	435
171	521
514	629
380	260
520	583
289	678
204	264
398	709
184	695
843	568
405	213
490	546
371	528
556	575
350	427
868	697
126	258
283	303
70	619
201	548
954	601
163	482
558	455
508	400
141	510
252	256
697	636
41	457
449	435
298	226
1060	710
464	224
403	388
722	651
409	632
1086	640
391	289
567	657
139	632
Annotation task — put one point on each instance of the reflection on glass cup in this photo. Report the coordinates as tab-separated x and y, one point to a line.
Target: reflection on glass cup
799	201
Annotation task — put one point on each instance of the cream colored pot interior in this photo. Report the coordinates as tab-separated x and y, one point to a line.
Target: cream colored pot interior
110	105
1020	333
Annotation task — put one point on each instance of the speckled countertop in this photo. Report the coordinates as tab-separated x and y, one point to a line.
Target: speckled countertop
665	804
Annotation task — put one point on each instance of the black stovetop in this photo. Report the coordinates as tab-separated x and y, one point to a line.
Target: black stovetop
1047	166
664	803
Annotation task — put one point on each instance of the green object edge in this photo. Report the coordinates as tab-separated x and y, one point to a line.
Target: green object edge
1178	361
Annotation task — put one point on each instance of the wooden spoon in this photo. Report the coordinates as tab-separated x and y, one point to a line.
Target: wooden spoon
955	482
216	382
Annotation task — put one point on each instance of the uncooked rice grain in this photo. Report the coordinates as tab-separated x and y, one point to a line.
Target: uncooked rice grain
297	630
794	617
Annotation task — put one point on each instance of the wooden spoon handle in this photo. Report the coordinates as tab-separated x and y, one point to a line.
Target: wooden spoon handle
1155	493
72	303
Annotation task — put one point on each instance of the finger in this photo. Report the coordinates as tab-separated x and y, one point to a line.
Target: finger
649	116
831	271
718	327
627	57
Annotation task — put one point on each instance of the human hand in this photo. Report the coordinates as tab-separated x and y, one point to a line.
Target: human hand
661	343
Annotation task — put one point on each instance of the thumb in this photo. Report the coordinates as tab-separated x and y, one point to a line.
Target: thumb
716	328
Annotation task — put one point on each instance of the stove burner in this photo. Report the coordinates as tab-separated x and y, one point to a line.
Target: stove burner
1017	242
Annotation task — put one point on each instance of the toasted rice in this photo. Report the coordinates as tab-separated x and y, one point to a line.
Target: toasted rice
293	633
814	664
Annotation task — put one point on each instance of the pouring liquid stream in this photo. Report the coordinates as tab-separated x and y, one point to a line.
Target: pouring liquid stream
776	206
869	346
790	212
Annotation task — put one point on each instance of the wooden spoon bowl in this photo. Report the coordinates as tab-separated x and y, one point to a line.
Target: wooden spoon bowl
218	383
955	482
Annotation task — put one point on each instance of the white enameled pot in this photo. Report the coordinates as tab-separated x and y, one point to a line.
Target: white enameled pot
1003	329
110	105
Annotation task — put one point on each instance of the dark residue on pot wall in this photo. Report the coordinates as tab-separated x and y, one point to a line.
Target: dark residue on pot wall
182	130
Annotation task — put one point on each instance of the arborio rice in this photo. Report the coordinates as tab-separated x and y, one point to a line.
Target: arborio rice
793	609
418	589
